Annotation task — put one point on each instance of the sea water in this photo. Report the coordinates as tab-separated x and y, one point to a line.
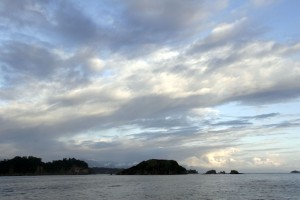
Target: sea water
231	187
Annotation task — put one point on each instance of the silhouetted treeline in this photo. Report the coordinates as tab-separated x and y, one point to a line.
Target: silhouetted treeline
34	166
192	171
155	167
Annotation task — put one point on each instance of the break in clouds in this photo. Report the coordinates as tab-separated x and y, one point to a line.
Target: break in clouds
210	84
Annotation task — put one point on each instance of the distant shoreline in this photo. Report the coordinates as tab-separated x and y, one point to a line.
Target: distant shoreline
33	166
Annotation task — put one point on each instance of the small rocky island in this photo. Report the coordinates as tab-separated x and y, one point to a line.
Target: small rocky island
295	172
155	167
221	172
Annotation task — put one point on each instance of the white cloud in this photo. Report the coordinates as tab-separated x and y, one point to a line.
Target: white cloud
272	160
163	54
96	64
228	30
214	159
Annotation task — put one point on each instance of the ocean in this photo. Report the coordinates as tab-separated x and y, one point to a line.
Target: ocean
231	187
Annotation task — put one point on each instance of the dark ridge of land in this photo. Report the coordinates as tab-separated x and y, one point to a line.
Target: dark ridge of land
155	167
19	166
295	172
192	171
222	172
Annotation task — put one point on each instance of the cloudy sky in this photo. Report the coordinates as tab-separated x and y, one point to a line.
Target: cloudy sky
211	84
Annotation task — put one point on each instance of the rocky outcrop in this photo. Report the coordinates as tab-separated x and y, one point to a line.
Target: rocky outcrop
155	167
211	172
221	172
234	172
295	172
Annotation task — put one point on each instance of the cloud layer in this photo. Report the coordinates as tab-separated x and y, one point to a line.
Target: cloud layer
125	81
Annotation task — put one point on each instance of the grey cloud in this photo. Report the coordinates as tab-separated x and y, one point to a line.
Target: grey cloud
73	26
236	32
149	107
164	122
72	125
165	15
28	59
22	13
219	63
233	123
7	91
273	95
288	124
152	106
259	149
64	22
22	62
149	24
32	141
99	97
145	24
16	130
99	145
154	111
263	116
169	137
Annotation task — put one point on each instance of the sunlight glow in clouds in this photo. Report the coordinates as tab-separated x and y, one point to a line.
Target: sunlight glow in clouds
209	84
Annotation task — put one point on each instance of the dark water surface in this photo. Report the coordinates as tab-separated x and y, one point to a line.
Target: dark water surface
231	187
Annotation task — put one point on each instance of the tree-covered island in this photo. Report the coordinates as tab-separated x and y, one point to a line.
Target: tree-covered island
34	166
221	172
155	167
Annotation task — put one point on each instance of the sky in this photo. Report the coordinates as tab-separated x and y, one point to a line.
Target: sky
210	84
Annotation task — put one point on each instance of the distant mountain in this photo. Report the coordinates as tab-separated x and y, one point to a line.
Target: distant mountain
107	164
155	167
105	170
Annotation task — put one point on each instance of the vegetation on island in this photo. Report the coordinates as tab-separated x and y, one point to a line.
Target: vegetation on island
155	167
211	172
295	172
70	166
221	172
192	171
234	172
34	166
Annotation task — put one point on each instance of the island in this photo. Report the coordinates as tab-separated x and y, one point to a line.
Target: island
20	166
155	167
295	172
221	172
234	172
211	172
192	171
